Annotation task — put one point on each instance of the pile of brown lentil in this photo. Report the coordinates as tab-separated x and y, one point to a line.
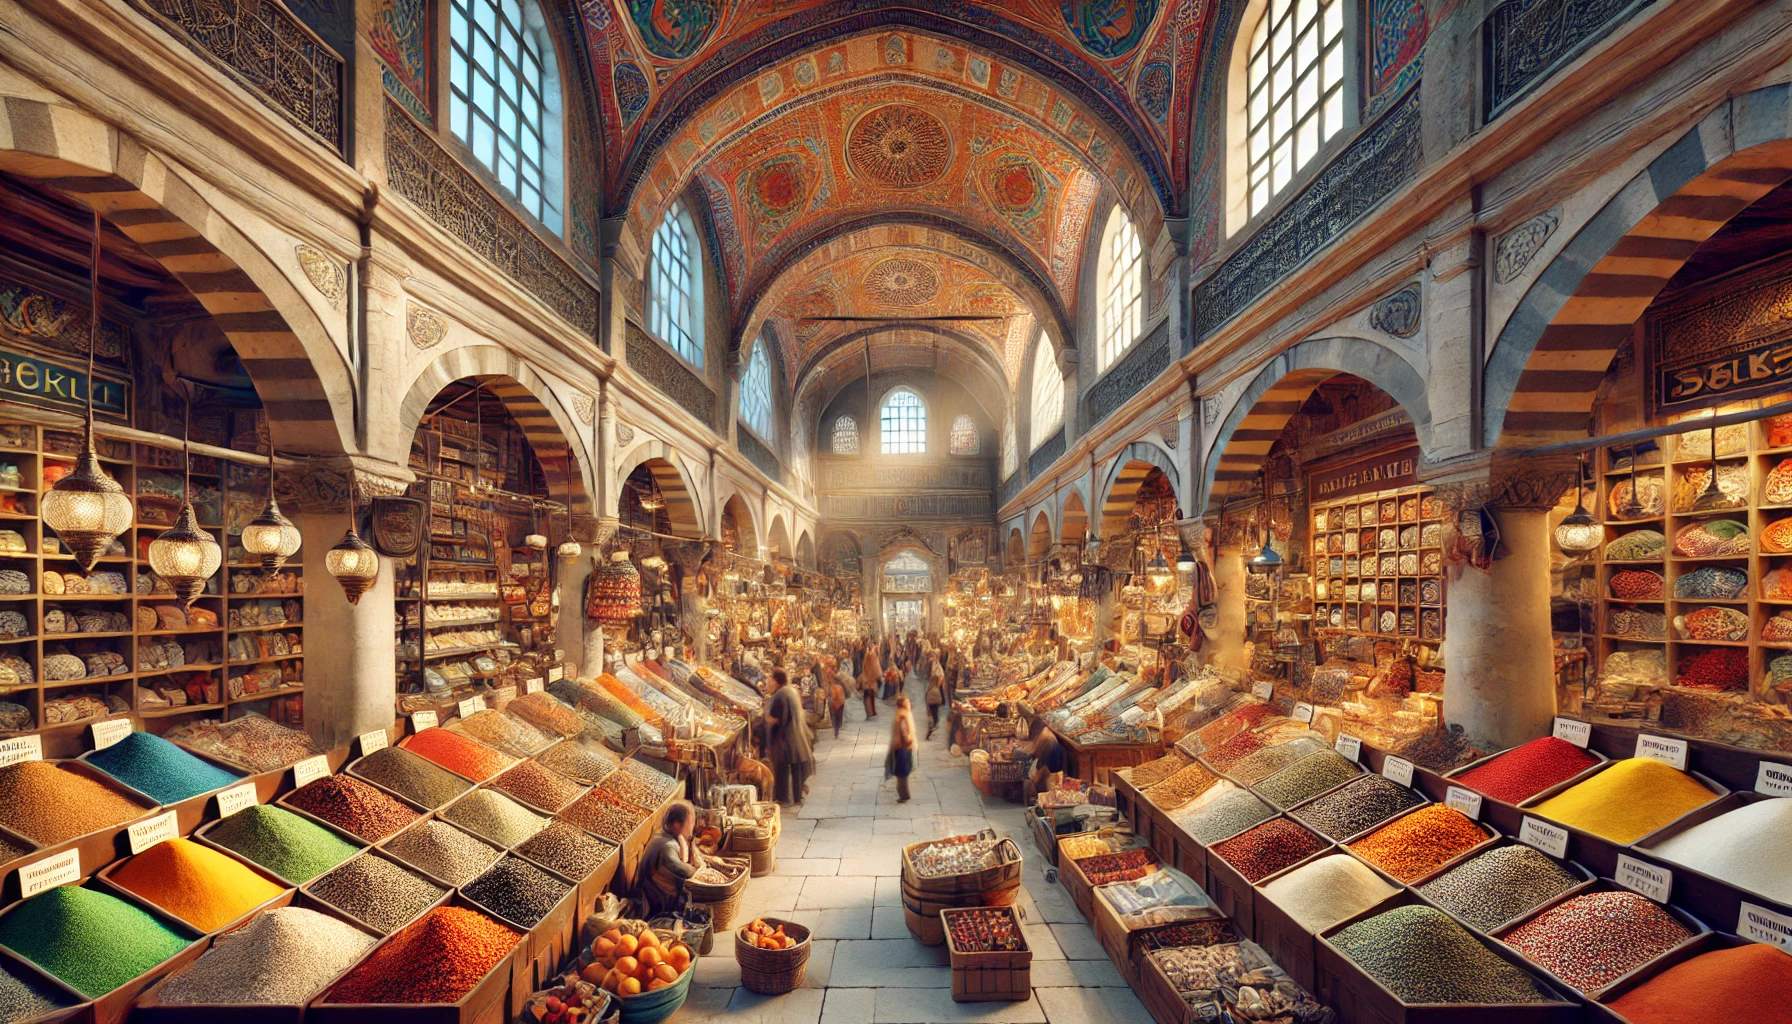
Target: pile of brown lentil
537	786
1266	849
575	761
1593	939
442	851
598	813
1269	760
377	892
570	851
353	806
411	777
48	804
1181	787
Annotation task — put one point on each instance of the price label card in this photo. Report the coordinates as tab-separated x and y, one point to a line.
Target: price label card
1467	801
160	828
21	748
555	674
423	720
1642	877
1570	731
1773	779
309	770
503	695
50	872
1349	746
1551	839
1303	713
471	706
1264	690
534	685
109	732
1397	769
1758	924
372	741
240	797
1671	752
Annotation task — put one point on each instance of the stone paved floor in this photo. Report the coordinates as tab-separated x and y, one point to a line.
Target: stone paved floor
838	871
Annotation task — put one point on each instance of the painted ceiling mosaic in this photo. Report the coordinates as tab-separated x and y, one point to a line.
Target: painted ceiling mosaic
1126	65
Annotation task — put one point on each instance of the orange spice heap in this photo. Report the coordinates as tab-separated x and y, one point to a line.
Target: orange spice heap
1413	846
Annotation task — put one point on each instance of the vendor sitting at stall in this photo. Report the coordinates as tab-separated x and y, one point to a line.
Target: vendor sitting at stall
670	859
1047	753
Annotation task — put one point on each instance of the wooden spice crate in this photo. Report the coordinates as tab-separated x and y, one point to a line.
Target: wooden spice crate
79	1009
309	898
1492	837
1691	923
1191	856
497	852
105	881
1601	1011
1097	761
1288	943
545	943
1234	894
284	802
979	976
1116	937
151	1010
1359	998
114	1006
194	810
1128	800
494	999
98	848
1081	887
588	890
1706	897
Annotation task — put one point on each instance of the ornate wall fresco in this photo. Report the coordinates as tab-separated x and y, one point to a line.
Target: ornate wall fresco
1122	68
399	36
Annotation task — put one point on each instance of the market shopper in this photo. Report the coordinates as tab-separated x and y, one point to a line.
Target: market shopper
1047	753
670	859
902	747
792	749
870	677
936	696
837	700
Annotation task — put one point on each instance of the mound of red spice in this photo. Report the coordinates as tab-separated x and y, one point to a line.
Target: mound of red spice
353	805
1234	750
1524	771
462	756
437	960
1268	848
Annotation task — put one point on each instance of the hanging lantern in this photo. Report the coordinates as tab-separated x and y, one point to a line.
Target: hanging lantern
569	550
271	538
1158	571
87	508
184	556
1579	533
616	592
1185	560
536	541
1267	561
354	563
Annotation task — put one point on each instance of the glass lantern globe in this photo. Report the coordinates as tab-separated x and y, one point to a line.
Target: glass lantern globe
1579	533
184	556
354	564
88	510
569	550
270	538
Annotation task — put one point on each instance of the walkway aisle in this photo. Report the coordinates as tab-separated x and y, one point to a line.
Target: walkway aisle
838	872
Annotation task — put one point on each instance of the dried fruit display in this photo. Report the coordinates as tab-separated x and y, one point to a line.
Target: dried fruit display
985	930
1390	511
1388	538
1432	562
1431	507
1638	585
1712	538
1409	510
628	965
1119	867
959	855
1714	668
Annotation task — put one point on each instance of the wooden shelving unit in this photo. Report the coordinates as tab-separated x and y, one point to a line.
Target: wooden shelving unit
1379	577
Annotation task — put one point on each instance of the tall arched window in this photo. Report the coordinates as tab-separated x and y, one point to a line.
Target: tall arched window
1048	393
505	99
675	312
904	423
1122	280
1294	91
756	391
846	436
964	436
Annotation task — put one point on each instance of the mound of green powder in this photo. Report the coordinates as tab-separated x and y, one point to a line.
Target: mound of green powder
90	941
281	841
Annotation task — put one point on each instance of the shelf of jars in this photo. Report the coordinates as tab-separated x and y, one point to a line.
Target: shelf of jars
79	647
1378	565
1695	583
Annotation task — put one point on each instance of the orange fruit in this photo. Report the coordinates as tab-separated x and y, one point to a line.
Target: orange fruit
666	973
627	945
679	957
631	987
614	935
656	984
594	973
650	956
603	948
628	965
648	939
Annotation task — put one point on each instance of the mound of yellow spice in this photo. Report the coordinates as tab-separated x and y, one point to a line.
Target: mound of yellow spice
1627	801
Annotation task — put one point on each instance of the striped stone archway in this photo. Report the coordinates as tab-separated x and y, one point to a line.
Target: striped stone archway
304	384
1548	362
744	524
1040	540
526	396
667	467
1256	419
1073	520
1129	470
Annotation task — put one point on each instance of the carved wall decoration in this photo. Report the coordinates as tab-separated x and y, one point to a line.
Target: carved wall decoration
1528	39
849	475
899	145
759	455
267	49
1138	368
625	435
1399	314
902	282
35	317
1721	343
325	274
670	375
584	407
421	171
1046	454
1517	246
1168	431
1378	163
425	329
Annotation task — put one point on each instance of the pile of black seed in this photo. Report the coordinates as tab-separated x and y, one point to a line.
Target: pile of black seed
571	851
517	891
1424	957
377	892
1368	801
24	997
1498	886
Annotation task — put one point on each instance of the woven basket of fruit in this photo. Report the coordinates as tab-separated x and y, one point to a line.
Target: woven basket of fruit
647	970
773	955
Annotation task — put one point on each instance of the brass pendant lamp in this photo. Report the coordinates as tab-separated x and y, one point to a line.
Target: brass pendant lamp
185	556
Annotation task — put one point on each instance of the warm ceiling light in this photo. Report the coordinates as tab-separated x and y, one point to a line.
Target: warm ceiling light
270	538
353	563
184	556
1579	533
1266	561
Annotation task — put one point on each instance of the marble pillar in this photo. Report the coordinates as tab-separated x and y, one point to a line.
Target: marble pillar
351	677
1226	639
1499	670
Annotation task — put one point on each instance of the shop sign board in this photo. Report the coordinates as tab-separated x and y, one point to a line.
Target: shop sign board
109	732
1758	924
1722	344
21	748
40	382
309	770
1642	877
1383	472
1773	779
1303	713
1465	801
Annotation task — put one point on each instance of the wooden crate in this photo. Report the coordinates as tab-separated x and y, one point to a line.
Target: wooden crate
114	1006
495	999
980	977
1096	762
546	943
1077	883
1235	895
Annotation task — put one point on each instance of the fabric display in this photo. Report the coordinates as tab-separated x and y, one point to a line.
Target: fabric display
1714	668
1637	624
1726	624
613	596
1638	585
1732	483
1711	539
1649	492
1777	488
1637	546
1778	629
63	710
13	624
1777	537
1712	583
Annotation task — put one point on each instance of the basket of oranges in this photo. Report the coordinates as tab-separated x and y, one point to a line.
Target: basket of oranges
773	955
648	971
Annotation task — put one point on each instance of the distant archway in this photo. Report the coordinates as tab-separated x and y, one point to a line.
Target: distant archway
738	527
1073	521
661	462
1041	540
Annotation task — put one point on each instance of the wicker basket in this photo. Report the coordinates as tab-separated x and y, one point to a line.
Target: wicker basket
773	972
722	901
1006	771
763	862
738	843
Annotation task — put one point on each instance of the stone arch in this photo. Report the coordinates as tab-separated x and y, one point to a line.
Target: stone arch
529	399
1073	519
304	384
1128	470
1040	540
667	467
1016	552
1554	350
805	550
841	547
777	537
1275	394
744	522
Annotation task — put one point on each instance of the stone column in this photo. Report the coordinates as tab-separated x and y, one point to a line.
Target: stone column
692	609
1226	639
1499	669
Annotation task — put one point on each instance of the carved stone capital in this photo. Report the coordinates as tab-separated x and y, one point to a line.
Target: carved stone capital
600	529
330	485
687	554
1503	481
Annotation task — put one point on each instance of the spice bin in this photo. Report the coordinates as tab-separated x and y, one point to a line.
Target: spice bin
1705	896
114	1006
192	811
990	958
1695	928
494	999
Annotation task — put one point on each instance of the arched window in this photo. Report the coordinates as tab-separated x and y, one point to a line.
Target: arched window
756	391
677	293
964	436
1294	91
505	99
846	436
904	423
1122	288
1048	393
